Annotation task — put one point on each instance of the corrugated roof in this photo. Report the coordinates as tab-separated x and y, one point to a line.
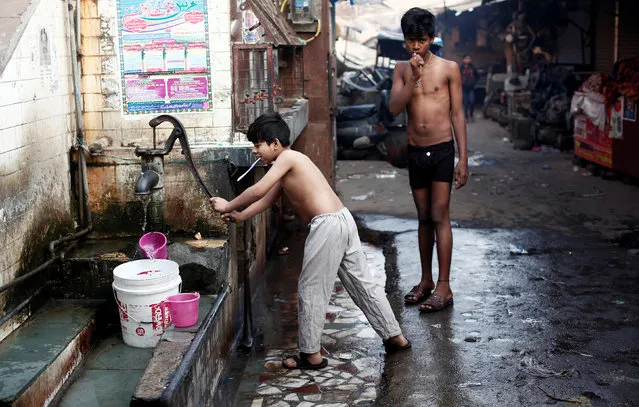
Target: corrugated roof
274	23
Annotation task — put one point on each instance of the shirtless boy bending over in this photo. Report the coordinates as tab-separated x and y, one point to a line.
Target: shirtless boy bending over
332	247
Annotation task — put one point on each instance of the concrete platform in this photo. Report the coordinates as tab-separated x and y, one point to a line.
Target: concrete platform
167	356
38	358
109	377
88	272
116	374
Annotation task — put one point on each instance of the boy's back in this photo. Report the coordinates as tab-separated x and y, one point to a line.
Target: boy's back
332	247
305	186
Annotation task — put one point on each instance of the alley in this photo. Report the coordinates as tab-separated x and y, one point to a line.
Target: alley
506	188
151	234
556	323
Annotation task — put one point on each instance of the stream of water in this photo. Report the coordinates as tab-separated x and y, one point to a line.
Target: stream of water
145	204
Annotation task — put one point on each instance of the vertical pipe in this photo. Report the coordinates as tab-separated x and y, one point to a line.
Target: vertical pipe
592	32
78	17
271	69
616	49
333	34
246	342
83	209
76	82
88	221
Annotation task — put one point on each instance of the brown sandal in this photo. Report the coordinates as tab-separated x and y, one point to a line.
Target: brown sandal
418	295
435	303
393	347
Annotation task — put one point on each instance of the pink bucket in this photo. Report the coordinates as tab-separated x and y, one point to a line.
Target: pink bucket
184	309
153	245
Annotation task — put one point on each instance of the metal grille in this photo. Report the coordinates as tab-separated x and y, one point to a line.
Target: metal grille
253	83
289	82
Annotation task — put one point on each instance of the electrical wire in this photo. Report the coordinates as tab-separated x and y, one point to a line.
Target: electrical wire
317	33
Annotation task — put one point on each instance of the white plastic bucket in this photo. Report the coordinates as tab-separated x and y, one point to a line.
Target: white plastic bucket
140	288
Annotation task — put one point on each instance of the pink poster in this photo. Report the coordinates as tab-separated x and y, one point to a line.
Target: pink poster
188	88
145	90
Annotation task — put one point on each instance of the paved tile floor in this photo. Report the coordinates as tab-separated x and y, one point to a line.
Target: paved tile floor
352	347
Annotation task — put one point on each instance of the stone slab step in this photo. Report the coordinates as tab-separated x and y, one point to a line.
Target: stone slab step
39	357
167	357
109	375
116	374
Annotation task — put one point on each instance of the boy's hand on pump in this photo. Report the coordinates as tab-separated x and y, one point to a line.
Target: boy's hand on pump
220	204
234	216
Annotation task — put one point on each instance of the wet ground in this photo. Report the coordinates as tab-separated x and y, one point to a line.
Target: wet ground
353	350
557	325
558	321
562	321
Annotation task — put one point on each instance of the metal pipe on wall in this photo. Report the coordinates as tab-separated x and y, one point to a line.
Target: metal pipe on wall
246	341
78	35
83	194
7	317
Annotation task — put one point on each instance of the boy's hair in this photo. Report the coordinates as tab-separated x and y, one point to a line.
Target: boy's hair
466	56
268	127
418	23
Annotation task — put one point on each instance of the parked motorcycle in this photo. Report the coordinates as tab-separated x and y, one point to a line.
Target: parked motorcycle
361	126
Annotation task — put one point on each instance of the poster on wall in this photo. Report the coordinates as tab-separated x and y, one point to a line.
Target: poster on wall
615	119
630	112
165	63
49	74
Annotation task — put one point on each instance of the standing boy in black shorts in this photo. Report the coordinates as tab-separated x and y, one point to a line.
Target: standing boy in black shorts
430	88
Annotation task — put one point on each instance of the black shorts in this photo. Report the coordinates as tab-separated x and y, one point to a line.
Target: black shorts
431	163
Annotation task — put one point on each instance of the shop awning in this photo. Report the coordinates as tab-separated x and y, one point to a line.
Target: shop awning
437	6
274	23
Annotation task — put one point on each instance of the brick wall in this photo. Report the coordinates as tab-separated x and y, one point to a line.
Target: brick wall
36	128
103	120
111	181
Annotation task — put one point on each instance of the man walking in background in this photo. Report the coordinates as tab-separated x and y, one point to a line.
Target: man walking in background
469	80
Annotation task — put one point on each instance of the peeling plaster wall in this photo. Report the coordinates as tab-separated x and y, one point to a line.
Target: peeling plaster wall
111	180
36	108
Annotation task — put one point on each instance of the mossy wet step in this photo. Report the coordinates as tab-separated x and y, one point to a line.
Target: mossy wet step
109	376
37	357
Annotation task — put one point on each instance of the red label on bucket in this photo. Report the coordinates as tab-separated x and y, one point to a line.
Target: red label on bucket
156	316
123	311
140	331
